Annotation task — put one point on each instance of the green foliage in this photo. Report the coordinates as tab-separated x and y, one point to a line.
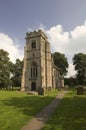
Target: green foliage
17	73
79	60
5	69
10	74
70	113
17	108
61	62
71	81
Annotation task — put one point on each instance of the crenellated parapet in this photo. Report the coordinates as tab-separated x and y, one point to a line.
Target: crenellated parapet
36	33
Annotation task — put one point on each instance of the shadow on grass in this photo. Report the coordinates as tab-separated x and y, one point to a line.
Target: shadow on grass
28	105
16	108
69	115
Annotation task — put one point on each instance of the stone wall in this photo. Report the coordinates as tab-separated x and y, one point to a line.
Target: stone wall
47	74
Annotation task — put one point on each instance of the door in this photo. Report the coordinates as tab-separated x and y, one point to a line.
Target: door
33	86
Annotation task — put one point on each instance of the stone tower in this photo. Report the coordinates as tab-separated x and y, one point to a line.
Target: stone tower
37	70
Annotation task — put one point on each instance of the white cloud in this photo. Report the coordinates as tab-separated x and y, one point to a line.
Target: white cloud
71	71
41	26
8	45
58	38
69	43
30	29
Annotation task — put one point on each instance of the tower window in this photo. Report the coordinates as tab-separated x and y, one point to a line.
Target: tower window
33	70
33	44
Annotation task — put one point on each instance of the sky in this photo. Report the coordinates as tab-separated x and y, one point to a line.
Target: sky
63	21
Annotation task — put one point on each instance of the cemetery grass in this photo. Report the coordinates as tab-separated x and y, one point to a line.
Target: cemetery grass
70	113
17	108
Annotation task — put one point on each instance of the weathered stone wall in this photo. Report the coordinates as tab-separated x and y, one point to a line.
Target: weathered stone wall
47	75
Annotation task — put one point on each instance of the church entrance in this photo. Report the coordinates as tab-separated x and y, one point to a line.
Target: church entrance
33	86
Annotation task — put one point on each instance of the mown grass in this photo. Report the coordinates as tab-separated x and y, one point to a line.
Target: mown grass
17	108
70	113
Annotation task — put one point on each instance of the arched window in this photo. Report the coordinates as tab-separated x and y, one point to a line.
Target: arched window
33	70
33	44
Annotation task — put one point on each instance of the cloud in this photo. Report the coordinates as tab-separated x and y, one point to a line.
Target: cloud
71	71
7	44
69	43
58	38
40	27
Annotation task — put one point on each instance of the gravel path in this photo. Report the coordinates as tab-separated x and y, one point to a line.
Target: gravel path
42	117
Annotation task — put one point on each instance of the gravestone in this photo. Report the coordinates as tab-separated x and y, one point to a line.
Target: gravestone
80	91
41	91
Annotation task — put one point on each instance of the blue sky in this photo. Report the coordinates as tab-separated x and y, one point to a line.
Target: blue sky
64	18
17	15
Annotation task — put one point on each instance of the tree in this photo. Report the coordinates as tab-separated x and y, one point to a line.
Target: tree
79	60
71	81
61	62
17	73
5	69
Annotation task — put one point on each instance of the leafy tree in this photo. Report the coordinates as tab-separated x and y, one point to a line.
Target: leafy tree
61	62
17	73
79	60
71	81
5	69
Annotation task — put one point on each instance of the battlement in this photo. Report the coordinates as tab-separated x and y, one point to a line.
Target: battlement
35	34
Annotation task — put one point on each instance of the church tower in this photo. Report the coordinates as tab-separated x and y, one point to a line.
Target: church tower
37	70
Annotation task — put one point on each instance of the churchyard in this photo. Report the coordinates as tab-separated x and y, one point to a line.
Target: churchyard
70	113
17	108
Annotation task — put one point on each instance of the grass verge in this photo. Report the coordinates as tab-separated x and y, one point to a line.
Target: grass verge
17	108
70	113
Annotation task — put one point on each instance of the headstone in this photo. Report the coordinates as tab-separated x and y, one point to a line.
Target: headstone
80	91
41	91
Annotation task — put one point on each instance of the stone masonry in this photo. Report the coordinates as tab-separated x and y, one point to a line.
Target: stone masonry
39	70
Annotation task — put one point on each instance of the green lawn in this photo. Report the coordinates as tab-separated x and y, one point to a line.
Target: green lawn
70	114
17	108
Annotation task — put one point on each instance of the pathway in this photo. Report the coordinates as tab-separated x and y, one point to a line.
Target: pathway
38	122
